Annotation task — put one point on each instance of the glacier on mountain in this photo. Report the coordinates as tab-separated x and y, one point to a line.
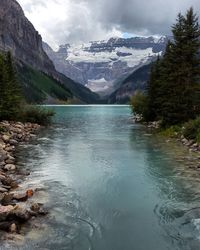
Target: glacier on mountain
100	64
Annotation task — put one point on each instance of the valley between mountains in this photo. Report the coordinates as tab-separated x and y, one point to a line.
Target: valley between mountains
107	71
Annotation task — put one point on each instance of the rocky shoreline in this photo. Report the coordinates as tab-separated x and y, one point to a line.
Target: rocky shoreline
192	145
16	207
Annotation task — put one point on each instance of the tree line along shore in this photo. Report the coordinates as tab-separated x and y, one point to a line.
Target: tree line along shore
172	96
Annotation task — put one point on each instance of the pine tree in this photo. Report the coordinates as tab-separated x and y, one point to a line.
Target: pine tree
14	97
10	94
152	91
174	87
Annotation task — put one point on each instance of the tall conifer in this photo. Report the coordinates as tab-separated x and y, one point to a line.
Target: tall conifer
174	87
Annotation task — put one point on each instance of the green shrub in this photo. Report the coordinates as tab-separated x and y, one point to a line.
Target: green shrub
139	104
171	132
191	129
39	115
2	129
198	137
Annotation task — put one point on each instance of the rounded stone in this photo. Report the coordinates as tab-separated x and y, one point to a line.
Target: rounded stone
10	167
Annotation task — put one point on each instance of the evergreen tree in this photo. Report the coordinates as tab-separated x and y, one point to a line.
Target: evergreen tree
153	88
10	94
14	97
174	87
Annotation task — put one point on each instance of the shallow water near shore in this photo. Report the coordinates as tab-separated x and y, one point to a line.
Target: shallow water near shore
110	185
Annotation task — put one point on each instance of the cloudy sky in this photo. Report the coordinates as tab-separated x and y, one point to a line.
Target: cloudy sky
75	21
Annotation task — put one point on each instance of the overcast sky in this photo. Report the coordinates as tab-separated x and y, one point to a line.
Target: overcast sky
75	21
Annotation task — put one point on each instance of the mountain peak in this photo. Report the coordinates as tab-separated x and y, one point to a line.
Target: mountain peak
18	35
107	59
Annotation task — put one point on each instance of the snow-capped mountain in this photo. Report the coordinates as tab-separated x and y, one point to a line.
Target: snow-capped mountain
98	65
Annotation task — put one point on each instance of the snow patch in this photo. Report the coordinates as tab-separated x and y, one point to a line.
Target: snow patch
137	56
98	85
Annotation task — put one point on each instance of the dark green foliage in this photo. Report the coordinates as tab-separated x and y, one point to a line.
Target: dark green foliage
174	131
139	104
37	86
173	91
3	129
10	94
192	129
12	105
36	114
153	92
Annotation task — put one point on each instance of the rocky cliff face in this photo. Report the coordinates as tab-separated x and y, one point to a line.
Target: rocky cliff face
98	65
18	35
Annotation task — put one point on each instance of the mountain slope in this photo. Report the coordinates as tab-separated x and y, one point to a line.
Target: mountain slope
98	65
19	36
136	81
38	87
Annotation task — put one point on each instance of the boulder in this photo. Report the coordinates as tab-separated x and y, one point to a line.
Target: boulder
3	190
9	167
13	142
20	196
7	181
20	213
6	138
10	148
5	211
14	184
19	136
38	209
2	177
32	135
6	199
2	144
3	155
35	207
17	130
6	187
2	164
10	161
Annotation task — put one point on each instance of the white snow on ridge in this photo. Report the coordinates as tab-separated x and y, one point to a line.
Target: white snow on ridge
99	64
98	85
134	57
137	56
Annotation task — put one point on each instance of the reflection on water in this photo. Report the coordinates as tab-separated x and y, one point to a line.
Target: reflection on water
110	185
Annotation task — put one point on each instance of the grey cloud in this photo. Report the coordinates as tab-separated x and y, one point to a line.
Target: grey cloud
94	19
154	16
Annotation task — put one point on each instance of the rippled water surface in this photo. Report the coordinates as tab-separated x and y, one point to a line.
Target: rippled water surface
110	185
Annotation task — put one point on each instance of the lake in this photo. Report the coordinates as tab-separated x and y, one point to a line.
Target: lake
110	185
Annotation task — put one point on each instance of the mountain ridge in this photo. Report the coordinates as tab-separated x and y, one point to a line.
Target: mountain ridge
99	64
130	84
18	35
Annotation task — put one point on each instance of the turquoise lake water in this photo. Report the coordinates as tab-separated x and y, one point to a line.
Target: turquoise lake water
111	185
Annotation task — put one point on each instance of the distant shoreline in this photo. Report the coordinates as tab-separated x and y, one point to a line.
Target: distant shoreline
85	105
